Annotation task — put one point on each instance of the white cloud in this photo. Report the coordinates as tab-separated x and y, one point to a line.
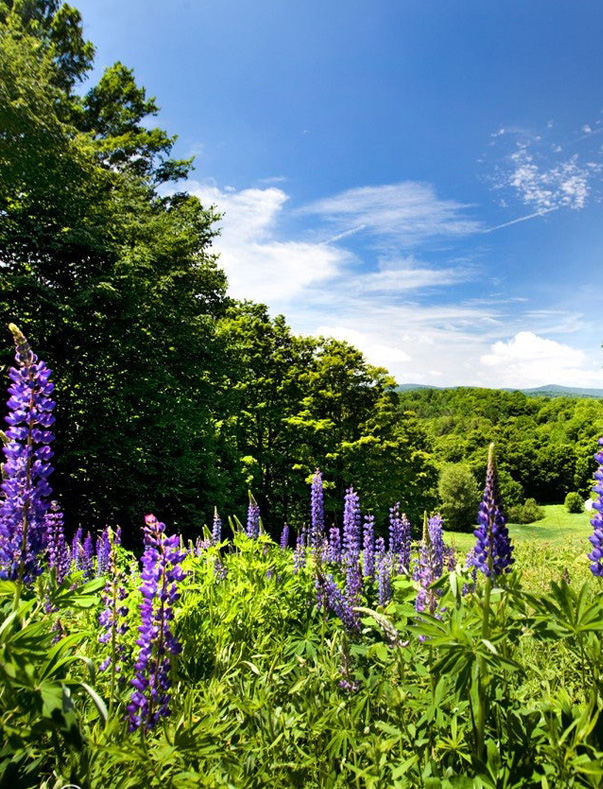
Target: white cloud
258	265
565	185
530	360
407	212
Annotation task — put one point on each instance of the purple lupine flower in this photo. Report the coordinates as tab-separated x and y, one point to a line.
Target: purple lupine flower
471	566
384	564
351	527
318	510
436	539
112	618
87	552
56	546
427	571
330	597
284	537
400	537
493	549
299	554
596	538
160	576
103	553
220	570
216	532
368	542
334	551
76	544
253	518
27	467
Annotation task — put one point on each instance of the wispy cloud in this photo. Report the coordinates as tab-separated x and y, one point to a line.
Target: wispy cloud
537	171
408	213
404	311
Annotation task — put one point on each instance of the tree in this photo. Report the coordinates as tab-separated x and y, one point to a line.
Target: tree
459	496
114	283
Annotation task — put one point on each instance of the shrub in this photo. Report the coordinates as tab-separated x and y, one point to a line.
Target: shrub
574	502
526	513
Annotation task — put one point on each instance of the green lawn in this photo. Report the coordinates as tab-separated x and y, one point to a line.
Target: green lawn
558	528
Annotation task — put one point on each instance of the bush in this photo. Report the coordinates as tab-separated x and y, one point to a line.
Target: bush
574	502
526	513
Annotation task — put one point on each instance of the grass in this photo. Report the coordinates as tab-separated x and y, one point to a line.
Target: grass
558	528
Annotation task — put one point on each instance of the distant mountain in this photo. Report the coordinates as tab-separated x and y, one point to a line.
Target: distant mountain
550	390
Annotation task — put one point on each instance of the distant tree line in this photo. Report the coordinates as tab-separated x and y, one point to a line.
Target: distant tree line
545	446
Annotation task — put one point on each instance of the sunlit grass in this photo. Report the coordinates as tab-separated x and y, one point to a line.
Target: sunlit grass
559	527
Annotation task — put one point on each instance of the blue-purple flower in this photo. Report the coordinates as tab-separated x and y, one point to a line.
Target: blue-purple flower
216	531
596	538
400	538
57	551
27	465
368	547
284	537
253	518
160	576
493	549
318	510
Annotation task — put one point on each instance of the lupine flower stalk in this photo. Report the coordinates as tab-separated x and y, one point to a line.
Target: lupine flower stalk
493	549
160	576
103	553
216	532
334	550
318	510
27	467
330	597
368	551
383	562
76	544
56	547
112	618
351	527
299	555
426	571
400	537
284	537
596	538
253	518
493	556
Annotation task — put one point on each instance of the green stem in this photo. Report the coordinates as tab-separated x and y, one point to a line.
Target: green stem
482	690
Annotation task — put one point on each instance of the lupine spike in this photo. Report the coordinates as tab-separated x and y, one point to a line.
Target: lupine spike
493	549
318	510
26	468
216	532
368	552
160	576
285	536
596	538
253	518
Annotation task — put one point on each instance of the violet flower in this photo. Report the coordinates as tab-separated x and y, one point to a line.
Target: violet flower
330	597
318	510
112	617
56	546
400	537
351	527
493	549
27	467
299	554
368	552
596	538
253	518
285	537
216	532
334	550
160	576
383	562
103	553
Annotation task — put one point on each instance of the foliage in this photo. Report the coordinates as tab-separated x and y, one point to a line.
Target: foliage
574	502
459	496
545	445
528	512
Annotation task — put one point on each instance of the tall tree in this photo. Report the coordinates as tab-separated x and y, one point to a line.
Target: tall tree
114	283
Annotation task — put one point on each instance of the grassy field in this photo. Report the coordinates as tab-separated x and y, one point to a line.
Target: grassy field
559	528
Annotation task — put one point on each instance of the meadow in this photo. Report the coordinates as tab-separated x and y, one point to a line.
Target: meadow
346	659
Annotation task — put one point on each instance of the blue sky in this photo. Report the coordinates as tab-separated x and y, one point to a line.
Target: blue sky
422	178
